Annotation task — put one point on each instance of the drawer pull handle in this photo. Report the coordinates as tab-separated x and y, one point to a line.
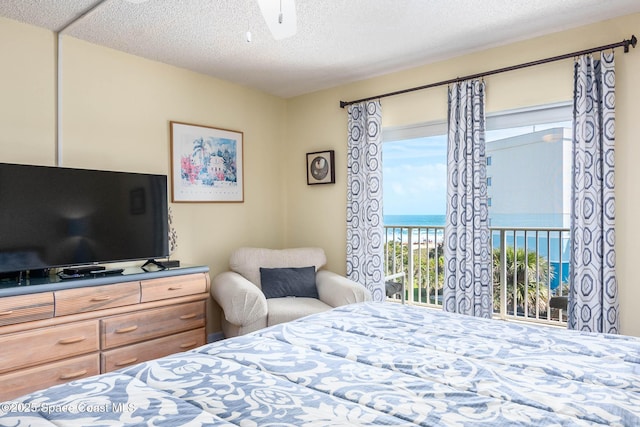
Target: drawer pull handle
125	330
188	316
71	340
175	288
188	345
100	299
73	375
127	362
6	313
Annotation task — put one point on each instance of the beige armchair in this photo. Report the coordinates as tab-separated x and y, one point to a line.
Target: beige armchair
240	293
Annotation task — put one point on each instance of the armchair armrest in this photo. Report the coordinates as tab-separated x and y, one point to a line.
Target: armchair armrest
337	290
241	301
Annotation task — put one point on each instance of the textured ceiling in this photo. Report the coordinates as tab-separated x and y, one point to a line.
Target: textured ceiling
338	41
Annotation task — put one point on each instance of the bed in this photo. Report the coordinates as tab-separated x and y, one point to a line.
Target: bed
364	364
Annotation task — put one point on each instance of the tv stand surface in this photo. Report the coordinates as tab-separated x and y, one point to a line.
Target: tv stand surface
53	282
53	331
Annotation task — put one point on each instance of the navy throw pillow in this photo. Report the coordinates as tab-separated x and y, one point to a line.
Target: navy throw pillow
289	282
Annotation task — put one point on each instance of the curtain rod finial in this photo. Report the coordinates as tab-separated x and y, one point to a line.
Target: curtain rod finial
633	41
343	104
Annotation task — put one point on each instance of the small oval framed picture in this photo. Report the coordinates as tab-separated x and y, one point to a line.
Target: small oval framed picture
320	168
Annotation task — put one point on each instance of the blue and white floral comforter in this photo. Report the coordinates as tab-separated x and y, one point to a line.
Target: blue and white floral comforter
364	364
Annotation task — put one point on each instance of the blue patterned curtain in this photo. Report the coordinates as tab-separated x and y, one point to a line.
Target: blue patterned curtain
593	297
365	227
468	288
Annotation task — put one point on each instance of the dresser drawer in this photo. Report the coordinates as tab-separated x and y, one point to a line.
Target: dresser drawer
70	301
25	308
47	344
171	287
147	324
148	350
27	380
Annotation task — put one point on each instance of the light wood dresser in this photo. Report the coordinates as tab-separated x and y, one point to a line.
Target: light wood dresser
58	331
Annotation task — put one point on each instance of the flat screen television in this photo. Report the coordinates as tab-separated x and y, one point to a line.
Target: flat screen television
57	217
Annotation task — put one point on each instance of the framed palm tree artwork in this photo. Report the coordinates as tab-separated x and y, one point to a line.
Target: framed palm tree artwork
206	164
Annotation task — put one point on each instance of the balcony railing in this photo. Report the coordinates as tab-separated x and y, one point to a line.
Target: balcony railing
530	265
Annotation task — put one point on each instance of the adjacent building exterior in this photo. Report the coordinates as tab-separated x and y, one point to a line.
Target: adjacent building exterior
529	179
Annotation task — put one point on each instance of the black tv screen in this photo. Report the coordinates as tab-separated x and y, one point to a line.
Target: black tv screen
56	217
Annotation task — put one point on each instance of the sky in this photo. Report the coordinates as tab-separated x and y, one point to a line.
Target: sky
414	176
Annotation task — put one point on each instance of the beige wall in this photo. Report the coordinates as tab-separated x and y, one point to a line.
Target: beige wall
117	108
115	115
128	129
316	214
27	90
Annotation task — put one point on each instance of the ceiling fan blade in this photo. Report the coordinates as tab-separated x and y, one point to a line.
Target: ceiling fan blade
280	16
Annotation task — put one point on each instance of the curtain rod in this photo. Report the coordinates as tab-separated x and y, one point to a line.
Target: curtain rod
625	43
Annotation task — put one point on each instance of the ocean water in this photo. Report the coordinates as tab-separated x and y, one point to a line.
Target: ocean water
417	235
416	220
497	220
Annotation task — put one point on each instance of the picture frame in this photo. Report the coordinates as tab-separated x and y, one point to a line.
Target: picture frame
206	164
321	167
